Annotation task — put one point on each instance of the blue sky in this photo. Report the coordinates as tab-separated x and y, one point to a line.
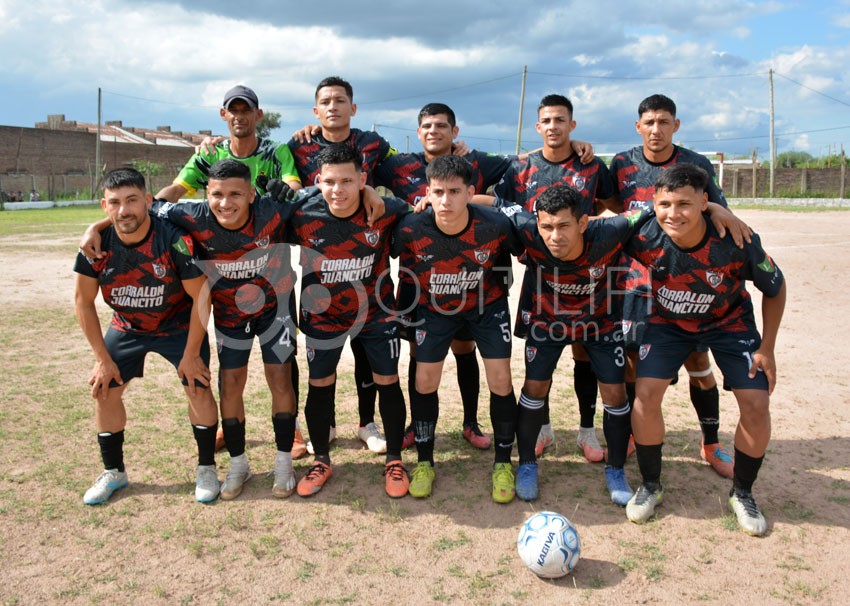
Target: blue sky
170	62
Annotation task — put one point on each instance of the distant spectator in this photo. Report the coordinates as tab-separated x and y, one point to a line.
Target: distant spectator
20	196
35	196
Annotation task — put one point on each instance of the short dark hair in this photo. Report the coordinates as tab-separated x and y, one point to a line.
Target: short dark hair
336	81
433	109
340	153
229	169
449	167
123	177
555	100
559	197
655	103
682	175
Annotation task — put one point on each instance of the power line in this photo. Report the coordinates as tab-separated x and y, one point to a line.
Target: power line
822	94
789	134
584	76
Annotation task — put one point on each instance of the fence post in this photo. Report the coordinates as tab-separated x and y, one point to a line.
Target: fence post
734	183
843	174
804	180
755	175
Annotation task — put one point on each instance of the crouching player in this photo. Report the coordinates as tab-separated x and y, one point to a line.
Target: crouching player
149	277
567	287
700	299
452	250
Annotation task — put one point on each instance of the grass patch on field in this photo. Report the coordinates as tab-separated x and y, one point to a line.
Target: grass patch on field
62	220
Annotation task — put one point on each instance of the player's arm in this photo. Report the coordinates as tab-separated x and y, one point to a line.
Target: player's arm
91	240
764	358
583	150
172	192
611	203
192	367
723	220
105	369
373	204
307	133
207	146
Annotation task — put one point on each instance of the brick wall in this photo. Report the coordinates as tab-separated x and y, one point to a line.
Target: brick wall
739	182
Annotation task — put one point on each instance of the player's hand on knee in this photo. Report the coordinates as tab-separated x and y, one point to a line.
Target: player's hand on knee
765	362
103	373
192	368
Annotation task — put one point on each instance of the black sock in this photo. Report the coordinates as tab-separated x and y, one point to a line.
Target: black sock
112	449
318	412
546	419
234	436
529	421
393	416
284	430
411	380
649	461
468	381
205	439
617	427
584	384
746	471
503	418
424	410
707	404
363	379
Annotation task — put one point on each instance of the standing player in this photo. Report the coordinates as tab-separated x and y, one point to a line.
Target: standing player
266	159
634	173
524	181
698	284
334	108
347	293
453	250
148	276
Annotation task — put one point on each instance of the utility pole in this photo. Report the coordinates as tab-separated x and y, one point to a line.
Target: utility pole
521	105
772	139
98	172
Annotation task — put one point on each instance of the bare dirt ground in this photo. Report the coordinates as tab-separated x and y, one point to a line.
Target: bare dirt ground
153	544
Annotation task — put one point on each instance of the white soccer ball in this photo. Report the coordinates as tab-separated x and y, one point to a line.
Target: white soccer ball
548	544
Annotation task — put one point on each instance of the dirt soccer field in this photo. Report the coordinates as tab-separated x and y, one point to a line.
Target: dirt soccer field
153	544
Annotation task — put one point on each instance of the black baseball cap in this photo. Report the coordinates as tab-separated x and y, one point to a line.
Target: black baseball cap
241	92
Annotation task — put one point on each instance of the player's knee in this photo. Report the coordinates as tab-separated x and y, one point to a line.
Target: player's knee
535	389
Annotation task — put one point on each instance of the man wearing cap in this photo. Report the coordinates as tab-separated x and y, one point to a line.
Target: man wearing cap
241	110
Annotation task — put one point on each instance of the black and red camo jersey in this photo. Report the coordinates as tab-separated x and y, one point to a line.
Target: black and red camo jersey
702	288
142	282
345	281
372	146
572	299
634	176
456	273
526	179
404	174
249	269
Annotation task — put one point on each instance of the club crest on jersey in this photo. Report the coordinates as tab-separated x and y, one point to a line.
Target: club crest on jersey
596	272
420	336
530	352
526	317
482	256
578	182
372	237
311	354
159	270
714	278
263	242
644	351
627	326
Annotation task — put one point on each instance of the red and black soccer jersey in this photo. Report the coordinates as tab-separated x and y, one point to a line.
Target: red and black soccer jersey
570	300
526	179
249	270
404	174
634	176
345	281
373	147
460	272
702	288
142	282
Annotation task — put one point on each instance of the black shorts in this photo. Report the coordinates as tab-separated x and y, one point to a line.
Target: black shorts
382	348
636	311
607	356
526	301
490	327
665	348
277	335
128	351
408	313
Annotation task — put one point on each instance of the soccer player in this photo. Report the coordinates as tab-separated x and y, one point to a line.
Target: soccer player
525	180
698	287
569	302
148	276
634	173
250	275
334	108
453	250
266	159
346	292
